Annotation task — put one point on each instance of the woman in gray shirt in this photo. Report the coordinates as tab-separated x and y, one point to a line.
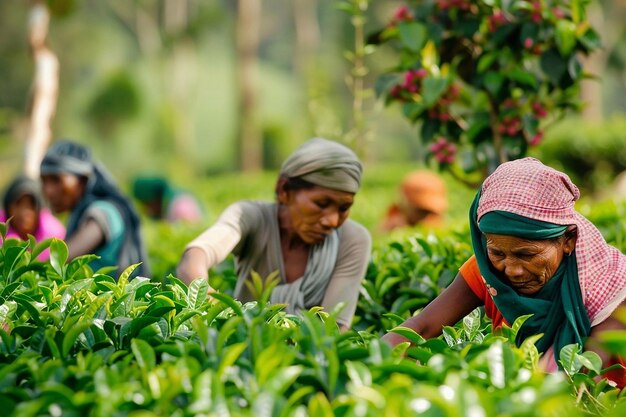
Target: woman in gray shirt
321	256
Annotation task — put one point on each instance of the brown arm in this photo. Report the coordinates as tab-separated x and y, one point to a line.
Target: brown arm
454	303
85	240
193	264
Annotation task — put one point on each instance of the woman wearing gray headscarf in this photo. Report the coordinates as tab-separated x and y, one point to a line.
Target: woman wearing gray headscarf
102	220
320	255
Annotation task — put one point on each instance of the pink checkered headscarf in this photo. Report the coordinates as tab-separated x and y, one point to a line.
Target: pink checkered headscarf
531	189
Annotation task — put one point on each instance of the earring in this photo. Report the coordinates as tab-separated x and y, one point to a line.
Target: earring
568	253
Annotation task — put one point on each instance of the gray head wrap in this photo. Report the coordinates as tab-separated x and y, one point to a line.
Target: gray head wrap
325	163
67	157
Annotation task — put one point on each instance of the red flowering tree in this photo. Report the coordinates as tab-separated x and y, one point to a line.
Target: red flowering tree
484	79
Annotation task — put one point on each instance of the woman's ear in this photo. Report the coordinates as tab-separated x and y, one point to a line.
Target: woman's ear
281	192
571	234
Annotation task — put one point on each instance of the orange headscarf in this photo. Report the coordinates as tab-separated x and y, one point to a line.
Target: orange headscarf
425	190
420	191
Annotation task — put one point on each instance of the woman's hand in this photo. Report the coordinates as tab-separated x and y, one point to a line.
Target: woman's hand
193	265
454	303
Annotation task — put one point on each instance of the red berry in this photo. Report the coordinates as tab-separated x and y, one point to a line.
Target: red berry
511	130
528	43
535	140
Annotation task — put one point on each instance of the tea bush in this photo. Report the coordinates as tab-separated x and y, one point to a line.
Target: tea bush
77	342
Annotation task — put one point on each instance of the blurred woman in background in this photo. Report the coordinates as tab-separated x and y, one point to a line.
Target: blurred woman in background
24	209
102	220
162	201
422	201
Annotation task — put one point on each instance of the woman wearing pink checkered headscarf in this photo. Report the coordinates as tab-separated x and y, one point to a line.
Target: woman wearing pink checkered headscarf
534	255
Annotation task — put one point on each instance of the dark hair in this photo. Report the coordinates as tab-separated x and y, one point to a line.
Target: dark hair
22	185
297	183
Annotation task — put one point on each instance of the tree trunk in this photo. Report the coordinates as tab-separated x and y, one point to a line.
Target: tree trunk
595	64
175	15
307	35
249	137
45	90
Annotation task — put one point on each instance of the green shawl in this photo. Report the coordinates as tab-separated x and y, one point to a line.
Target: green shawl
557	309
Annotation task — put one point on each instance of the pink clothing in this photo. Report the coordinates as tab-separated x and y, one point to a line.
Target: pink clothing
184	207
49	226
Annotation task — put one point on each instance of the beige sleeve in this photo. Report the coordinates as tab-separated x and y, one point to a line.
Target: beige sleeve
220	239
345	283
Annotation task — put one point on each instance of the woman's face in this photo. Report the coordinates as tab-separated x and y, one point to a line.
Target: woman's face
526	264
63	191
315	212
24	215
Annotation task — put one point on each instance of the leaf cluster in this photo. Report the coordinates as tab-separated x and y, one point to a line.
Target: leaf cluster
484	79
76	342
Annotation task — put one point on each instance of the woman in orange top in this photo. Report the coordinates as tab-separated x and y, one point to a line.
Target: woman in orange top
534	254
422	200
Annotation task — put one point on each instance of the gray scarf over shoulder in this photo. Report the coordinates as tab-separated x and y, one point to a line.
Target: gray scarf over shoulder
327	164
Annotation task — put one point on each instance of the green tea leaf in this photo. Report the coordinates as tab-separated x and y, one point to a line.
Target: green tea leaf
58	256
531	354
39	247
283	379
518	323
471	324
319	406
569	358
450	335
271	359
230	355
592	361
359	374
198	292
13	256
72	334
409	334
7	310
27	304
229	301
125	275
144	354
49	334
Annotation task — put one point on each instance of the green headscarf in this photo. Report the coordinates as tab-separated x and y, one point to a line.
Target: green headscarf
151	188
557	309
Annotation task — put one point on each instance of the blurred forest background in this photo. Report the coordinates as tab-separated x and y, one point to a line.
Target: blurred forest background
215	93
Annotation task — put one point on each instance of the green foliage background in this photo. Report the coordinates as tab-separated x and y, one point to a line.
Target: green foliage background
76	342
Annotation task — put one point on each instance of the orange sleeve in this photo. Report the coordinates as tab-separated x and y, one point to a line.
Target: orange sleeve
617	375
471	274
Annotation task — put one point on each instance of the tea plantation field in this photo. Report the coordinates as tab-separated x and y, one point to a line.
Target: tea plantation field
77	342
